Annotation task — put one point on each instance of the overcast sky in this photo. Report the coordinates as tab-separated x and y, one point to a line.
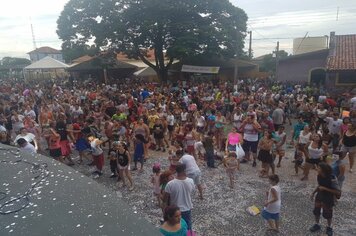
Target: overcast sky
269	20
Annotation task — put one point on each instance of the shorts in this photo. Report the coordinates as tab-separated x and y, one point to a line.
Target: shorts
313	161
327	210
196	176
250	146
265	156
55	153
231	148
170	128
270	216
200	129
123	167
346	149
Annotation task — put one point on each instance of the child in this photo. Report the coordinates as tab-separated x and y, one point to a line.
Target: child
272	206
298	157
172	157
208	144
281	138
231	164
155	180
113	160
54	145
139	151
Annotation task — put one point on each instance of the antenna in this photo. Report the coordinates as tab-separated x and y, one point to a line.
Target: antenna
337	14
33	36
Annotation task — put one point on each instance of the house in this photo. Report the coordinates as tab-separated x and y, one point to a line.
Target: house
42	52
304	68
332	67
341	63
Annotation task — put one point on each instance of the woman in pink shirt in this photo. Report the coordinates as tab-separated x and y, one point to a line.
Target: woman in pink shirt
233	139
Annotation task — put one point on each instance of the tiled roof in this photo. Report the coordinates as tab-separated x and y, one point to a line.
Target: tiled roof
343	57
47	50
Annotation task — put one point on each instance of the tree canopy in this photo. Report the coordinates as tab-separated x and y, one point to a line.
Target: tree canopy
15	61
174	29
269	61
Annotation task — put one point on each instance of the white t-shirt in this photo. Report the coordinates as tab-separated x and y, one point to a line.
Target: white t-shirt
180	193
250	133
190	164
353	102
29	148
304	139
17	125
170	120
201	121
334	126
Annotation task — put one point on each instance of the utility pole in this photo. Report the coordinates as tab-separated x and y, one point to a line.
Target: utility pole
250	46
277	60
236	67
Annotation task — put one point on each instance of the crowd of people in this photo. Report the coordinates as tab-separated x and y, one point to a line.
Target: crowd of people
197	125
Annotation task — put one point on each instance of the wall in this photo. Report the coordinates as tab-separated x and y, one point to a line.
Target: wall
298	69
309	44
38	56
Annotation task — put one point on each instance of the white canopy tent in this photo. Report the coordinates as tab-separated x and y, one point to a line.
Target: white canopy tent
45	64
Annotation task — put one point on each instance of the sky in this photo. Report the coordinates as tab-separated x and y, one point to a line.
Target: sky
269	20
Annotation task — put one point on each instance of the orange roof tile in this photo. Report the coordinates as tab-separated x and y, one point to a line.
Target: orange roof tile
45	50
344	55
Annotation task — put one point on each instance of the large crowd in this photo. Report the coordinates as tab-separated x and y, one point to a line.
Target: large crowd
196	125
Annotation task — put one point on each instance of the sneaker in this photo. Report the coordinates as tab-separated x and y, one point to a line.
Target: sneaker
113	175
91	163
135	168
158	149
254	164
163	150
243	161
329	231
314	228
131	188
95	173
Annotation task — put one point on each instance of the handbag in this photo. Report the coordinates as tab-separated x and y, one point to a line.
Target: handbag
240	153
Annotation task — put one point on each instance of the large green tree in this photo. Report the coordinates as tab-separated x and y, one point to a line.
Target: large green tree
174	29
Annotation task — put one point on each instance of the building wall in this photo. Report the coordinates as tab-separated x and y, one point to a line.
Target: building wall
298	70
38	56
310	44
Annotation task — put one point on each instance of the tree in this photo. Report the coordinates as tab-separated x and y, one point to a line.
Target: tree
15	62
72	51
269	61
174	29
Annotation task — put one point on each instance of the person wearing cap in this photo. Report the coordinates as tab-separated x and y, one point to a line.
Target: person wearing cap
26	146
29	137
